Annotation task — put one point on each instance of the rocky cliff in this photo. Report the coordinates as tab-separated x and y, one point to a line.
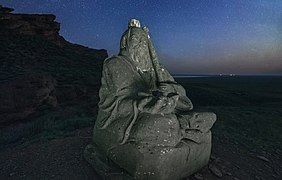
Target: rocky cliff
38	75
31	24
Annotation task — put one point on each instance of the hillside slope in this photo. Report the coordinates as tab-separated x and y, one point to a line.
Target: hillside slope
37	72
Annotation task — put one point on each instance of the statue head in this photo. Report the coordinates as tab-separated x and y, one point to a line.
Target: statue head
135	44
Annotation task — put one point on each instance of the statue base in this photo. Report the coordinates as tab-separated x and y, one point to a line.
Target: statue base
138	161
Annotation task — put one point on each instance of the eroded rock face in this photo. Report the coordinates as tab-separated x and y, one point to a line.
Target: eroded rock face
31	24
23	96
36	73
5	9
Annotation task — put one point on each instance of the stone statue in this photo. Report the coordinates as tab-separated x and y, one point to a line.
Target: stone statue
146	128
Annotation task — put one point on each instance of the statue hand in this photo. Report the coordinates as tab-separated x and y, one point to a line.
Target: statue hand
173	100
155	106
143	102
170	104
164	105
166	88
159	104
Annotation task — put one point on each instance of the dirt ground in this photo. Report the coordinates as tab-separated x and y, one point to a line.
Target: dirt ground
62	158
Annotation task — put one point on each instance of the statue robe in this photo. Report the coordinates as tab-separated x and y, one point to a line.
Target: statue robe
160	141
118	116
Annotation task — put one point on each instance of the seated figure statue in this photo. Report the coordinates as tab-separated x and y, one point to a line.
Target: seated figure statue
146	128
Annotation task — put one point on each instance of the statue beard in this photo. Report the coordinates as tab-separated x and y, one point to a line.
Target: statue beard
141	56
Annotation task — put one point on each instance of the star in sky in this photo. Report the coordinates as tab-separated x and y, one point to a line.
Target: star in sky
195	36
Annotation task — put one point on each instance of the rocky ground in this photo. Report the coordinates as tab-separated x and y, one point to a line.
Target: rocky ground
246	137
61	158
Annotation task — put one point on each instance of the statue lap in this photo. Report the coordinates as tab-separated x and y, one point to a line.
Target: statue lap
155	150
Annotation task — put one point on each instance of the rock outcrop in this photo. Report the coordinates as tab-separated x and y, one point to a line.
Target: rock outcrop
31	24
23	96
39	75
4	10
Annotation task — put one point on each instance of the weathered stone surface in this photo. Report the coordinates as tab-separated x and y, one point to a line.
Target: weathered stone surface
215	170
198	176
5	9
145	123
31	24
28	53
23	96
263	158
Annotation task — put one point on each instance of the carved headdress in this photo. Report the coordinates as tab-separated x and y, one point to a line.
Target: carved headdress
124	44
133	23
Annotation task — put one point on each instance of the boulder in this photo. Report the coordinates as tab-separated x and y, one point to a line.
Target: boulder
21	97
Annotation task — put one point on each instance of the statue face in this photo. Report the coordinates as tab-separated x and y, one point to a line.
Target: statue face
138	38
139	50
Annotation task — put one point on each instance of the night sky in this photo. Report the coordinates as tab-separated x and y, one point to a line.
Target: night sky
190	36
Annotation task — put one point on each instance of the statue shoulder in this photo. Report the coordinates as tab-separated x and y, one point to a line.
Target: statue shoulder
113	61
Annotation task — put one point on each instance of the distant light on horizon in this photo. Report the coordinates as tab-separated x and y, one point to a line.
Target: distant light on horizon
191	37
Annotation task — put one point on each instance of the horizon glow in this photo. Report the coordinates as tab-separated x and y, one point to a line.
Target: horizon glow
191	37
